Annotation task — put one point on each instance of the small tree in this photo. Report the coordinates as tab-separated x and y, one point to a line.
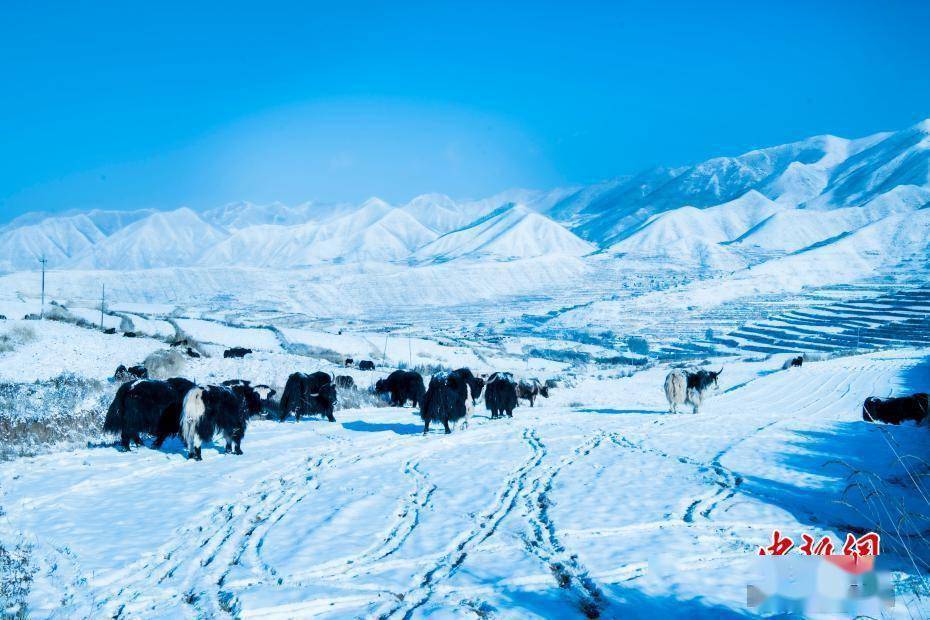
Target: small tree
638	345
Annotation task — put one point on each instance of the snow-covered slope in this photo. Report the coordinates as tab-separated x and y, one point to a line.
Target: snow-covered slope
57	239
376	232
513	231
162	239
723	214
714	225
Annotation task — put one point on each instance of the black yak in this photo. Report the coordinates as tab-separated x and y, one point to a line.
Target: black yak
366	365
142	406
308	395
682	387
402	385
895	410
170	423
448	399
210	409
236	352
247	393
529	389
500	394
475	383
345	382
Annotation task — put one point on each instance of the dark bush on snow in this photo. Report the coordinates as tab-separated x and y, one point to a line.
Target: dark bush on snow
65	409
16	576
638	345
561	355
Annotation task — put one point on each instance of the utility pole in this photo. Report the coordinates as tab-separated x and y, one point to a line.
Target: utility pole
409	353
43	260
103	300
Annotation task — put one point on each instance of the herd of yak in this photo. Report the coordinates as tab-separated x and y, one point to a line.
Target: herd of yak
178	407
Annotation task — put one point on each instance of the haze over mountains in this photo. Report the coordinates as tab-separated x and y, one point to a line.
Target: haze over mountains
859	203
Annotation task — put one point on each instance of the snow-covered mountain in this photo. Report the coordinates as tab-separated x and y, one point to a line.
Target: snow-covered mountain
510	232
162	239
723	215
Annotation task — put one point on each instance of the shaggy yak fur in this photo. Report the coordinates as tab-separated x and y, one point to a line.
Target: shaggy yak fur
529	389
500	395
449	398
208	410
402	385
146	406
345	382
895	410
308	395
366	365
248	394
682	387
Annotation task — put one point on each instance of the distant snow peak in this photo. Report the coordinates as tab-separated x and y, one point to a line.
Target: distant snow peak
723	214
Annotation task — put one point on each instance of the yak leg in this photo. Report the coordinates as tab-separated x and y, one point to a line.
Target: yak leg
425	426
124	441
238	449
510	413
445	425
532	398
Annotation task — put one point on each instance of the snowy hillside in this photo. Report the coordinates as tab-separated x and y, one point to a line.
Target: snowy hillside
159	240
513	231
804	207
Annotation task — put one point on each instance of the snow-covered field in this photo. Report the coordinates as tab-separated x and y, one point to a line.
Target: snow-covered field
596	501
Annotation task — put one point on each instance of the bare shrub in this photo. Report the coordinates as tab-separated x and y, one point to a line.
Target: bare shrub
126	324
16	336
16	576
66	409
353	398
164	364
428	370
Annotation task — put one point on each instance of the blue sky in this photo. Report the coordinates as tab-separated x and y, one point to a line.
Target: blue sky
127	105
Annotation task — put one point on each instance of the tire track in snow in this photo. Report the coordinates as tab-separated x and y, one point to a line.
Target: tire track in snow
232	529
449	563
542	539
407	518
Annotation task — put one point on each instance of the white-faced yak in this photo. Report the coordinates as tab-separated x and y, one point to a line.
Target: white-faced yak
308	395
529	389
500	395
402	385
145	406
208	410
449	398
682	387
895	410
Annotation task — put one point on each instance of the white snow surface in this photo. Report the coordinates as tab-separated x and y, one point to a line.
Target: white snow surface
597	496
